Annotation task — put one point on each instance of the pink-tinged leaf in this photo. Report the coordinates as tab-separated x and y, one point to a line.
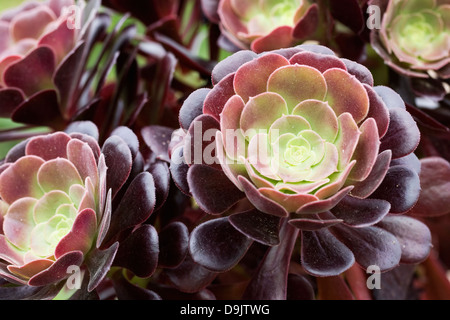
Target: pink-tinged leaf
31	23
403	135
58	270
259	156
366	151
80	236
378	111
251	78
308	24
359	71
33	73
212	189
336	182
118	159
361	212
321	62
9	252
262	203
314	222
139	252
346	94
322	255
347	139
260	112
58	174
435	188
233	139
49	147
371	246
216	98
229	19
320	116
105	221
364	188
327	166
293	124
231	64
254	176
46	206
18	222
217	245
57	6
31	268
280	37
326	204
21	179
81	155
290	202
296	83
10	99
88	199
61	40
232	168
192	107
258	226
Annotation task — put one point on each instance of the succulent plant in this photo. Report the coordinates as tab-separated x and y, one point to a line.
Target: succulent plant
264	25
57	193
298	139
414	40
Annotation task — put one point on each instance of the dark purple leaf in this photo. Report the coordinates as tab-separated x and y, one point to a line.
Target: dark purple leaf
118	160
270	280
403	135
361	212
129	137
136	205
161	176
211	189
10	99
390	98
313	222
434	198
349	13
400	187
371	246
230	64
397	284
258	226
29	292
192	107
157	138
98	263
84	127
58	270
173	244
323	255
179	170
217	245
128	291
307	25
299	288
139	251
413	235
359	71
411	161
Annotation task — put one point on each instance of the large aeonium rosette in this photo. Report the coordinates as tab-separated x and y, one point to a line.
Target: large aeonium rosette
264	25
414	39
304	137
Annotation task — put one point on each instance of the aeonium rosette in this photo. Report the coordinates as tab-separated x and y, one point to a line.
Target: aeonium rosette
264	25
57	212
414	40
305	137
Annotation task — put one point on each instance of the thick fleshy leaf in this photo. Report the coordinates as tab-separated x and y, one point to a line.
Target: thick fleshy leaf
216	98
161	176
98	263
192	107
361	72
261	202
280	37
269	282
378	111
390	98
10	99
314	222
173	244
403	135
231	64
33	73
139	251
413	235
61	40
361	212
49	147
217	245
233	138
326	204
136	205
58	270
118	159
258	226
346	94
58	174
308	24
347	139
319	61
31	268
251	78
47	205
81	235
21	179
435	187
371	246
81	155
129	137
290	202
31	23
299	288
400	187
179	170
18	222
323	255
296	83
212	189
157	138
